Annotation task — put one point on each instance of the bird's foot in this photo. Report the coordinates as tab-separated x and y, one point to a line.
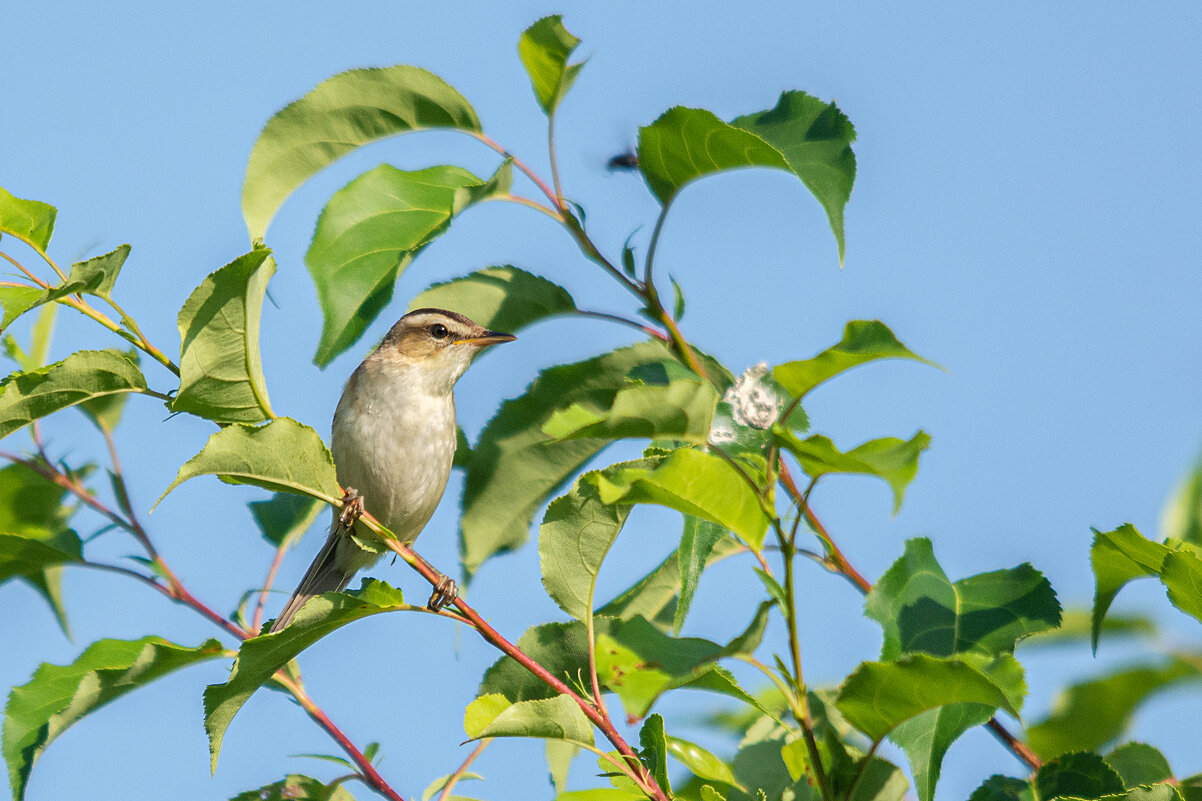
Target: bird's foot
352	507
445	592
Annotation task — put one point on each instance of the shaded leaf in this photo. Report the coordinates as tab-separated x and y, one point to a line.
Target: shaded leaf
1076	626
97	275
284	517
84	375
753	635
696	543
1003	788
1181	573
545	48
878	696
514	466
1181	517
889	458
576	533
1139	763
680	409
221	372
31	221
863	341
501	298
815	139
296	787
1092	713
696	483
926	738
653	744
1118	557
105	411
920	609
368	233
556	718
1081	775
260	657
340	114
58	696
281	456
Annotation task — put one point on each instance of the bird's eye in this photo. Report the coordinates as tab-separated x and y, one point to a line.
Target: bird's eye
439	331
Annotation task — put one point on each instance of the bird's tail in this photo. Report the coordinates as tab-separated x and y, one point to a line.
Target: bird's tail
324	575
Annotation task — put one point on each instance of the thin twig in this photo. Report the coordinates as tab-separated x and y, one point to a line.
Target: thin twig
462	769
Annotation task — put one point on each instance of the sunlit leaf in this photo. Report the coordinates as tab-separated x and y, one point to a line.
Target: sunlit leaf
1003	788
1119	557
696	483
1076	627
368	233
815	139
559	759
221	373
96	276
281	456
260	657
926	738
31	221
1082	775
576	533
680	409
880	695
16	300
653	751
556	718
863	341
58	696
1181	573
696	543
435	787
1182	514
501	298
920	609
1092	713
515	467
340	114
702	763
892	459
545	48
1139	763
84	375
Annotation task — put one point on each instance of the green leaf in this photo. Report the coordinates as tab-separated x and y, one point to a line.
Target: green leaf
892	459
296	787
1139	763
58	696
1092	713
680	409
1182	515
96	276
16	300
260	657
84	375
599	794
815	139
436	786
515	467
863	341
654	596
678	300
1003	788
221	373
1082	775
1181	573
31	221
501	298
1118	557
576	533
340	114
282	456
545	48
557	718
284	517
749	640
926	738
368	234
695	483
1076	626
562	648
702	763
920	609
878	696
559	760
653	744
696	543
685	144
105	411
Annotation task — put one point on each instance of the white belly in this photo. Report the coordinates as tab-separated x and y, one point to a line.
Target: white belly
394	444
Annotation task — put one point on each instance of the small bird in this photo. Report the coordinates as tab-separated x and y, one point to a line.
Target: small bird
393	442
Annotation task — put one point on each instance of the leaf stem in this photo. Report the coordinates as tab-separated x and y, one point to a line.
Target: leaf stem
617	318
551	157
550	194
462	769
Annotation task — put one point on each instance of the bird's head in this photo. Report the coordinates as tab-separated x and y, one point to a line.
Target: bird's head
437	344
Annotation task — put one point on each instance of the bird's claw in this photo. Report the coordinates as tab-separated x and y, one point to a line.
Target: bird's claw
445	592
352	507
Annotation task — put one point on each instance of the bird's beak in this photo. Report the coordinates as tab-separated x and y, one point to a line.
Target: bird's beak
486	339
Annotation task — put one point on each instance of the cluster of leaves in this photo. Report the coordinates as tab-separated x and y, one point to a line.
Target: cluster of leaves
720	449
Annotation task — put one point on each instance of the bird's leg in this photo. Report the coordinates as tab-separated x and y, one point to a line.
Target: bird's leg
352	508
445	592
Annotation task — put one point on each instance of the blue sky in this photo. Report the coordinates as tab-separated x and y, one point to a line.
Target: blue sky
1026	214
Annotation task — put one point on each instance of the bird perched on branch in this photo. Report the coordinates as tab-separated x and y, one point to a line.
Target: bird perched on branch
393	443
